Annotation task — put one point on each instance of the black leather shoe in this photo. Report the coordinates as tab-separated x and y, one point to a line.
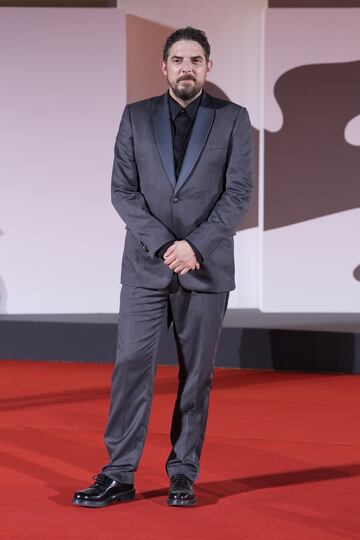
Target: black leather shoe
181	491
104	491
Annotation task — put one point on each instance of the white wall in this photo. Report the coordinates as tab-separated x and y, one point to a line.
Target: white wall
63	87
308	266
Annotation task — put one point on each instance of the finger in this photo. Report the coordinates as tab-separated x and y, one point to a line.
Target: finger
184	271
175	264
169	250
171	259
197	266
178	269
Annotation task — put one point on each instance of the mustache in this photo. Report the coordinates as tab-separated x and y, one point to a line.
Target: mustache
186	78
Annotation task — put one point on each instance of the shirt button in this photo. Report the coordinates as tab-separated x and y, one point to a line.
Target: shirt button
176	199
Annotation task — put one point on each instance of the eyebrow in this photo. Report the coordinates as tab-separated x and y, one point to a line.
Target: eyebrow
175	57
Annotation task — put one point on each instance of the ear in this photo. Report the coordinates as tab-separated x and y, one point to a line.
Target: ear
163	67
209	65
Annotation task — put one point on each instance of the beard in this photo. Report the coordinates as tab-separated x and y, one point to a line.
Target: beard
186	92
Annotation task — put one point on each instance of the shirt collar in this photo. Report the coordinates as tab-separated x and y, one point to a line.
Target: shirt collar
176	108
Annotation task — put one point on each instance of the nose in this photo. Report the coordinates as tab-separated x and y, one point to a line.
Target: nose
186	66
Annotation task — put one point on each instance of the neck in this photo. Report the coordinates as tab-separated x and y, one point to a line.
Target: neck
184	103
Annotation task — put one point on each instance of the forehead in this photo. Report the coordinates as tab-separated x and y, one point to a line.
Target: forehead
186	48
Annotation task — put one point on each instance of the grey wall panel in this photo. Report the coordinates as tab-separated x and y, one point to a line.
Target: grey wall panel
250	348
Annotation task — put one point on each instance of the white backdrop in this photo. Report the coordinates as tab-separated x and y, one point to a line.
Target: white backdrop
63	88
308	266
61	97
62	94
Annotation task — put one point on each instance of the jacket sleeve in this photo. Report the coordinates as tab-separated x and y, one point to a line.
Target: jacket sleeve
126	197
234	201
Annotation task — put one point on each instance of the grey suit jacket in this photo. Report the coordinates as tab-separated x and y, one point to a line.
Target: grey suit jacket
204	205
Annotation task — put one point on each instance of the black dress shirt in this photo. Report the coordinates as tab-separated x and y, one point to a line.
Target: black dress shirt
182	121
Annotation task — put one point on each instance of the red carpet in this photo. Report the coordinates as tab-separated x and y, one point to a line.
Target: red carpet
281	457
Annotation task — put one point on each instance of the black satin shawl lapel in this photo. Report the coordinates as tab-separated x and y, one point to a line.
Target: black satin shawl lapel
163	136
201	129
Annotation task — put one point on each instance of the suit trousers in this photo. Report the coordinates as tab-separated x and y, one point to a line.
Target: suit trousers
197	320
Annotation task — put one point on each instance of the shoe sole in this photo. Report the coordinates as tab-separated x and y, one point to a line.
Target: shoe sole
192	502
120	497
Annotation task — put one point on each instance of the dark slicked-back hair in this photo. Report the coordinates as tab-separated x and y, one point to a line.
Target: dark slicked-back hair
190	34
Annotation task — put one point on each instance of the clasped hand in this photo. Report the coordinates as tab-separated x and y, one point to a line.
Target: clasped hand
180	258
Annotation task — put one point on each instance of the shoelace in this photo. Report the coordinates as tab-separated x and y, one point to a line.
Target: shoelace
100	480
180	481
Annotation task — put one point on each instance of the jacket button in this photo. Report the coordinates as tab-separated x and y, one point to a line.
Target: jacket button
176	199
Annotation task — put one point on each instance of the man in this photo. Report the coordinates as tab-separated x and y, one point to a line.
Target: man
181	182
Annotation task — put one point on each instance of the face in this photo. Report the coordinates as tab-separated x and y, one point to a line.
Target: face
186	69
